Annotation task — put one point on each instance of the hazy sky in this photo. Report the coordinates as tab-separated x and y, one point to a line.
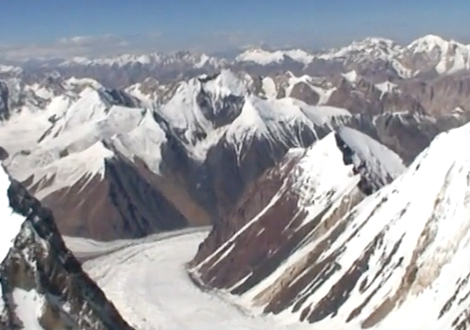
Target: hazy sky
94	27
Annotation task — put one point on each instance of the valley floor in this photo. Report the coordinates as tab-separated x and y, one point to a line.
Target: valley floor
147	282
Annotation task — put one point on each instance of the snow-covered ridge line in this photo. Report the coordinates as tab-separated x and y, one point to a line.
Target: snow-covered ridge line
373	47
308	190
199	60
396	259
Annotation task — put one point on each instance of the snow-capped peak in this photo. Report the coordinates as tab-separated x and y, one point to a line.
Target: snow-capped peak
369	48
264	57
446	56
224	84
341	160
68	171
198	60
378	41
428	43
77	60
383	164
260	56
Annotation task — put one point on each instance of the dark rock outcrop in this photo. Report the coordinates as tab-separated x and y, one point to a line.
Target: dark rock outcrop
39	266
4	106
305	93
123	203
274	217
3	154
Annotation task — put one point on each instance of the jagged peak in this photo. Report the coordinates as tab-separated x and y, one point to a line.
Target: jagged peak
382	164
429	42
225	83
372	47
48	275
68	171
377	41
376	163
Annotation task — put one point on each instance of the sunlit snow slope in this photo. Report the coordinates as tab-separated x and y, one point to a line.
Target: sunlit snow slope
398	260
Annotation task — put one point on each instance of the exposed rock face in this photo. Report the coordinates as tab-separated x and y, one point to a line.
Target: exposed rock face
204	142
405	133
42	283
374	266
3	154
442	95
303	92
298	199
124	203
244	164
4	108
366	98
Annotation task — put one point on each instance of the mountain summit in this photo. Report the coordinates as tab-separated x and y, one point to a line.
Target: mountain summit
397	259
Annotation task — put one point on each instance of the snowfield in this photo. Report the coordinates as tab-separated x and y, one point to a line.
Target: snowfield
147	282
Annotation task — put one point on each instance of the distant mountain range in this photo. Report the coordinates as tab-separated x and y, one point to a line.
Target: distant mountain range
429	55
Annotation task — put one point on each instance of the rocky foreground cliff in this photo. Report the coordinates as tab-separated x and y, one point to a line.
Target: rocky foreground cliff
43	286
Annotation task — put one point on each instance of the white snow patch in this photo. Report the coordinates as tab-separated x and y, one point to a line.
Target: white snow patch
323	93
145	142
10	69
300	55
386	87
264	57
41	91
379	159
69	170
82	82
351	76
226	83
322	177
23	131
269	87
260	56
58	105
11	221
29	308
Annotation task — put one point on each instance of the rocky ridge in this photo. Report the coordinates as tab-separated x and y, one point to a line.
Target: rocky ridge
43	285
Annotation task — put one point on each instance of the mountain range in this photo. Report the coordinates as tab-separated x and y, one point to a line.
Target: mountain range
312	169
427	56
309	242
